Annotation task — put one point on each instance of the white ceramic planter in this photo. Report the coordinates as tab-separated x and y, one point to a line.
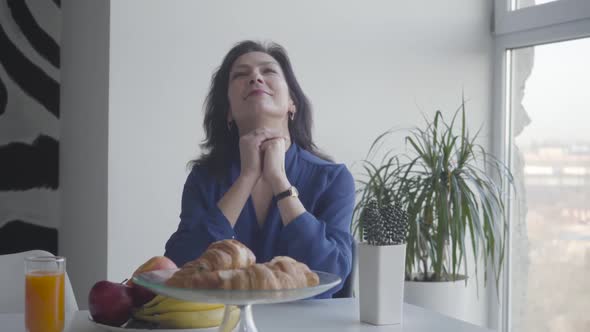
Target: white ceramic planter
381	283
450	298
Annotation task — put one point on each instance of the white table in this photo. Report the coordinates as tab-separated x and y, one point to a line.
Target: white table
338	315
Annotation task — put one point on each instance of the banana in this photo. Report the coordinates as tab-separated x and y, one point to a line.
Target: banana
232	319
168	304
191	319
229	323
157	299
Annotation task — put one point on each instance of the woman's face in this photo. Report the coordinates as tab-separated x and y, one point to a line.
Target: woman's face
257	89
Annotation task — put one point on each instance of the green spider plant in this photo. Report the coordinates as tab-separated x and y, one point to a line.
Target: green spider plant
446	182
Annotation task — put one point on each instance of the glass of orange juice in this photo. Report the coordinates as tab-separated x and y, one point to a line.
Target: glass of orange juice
44	293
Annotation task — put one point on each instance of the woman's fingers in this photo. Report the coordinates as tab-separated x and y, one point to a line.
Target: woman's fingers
261	135
275	140
271	141
251	155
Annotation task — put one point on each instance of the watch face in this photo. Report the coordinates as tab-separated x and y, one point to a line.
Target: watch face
294	191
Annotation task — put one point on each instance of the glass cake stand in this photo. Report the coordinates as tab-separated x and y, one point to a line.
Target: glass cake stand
244	299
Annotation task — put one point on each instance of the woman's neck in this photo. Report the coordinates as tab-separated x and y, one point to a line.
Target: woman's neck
266	123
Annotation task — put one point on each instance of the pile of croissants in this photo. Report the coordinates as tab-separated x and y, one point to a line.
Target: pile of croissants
229	264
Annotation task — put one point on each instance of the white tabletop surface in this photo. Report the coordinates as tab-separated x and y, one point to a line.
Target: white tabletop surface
340	315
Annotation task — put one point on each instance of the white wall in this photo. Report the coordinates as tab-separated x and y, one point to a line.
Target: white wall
83	149
367	66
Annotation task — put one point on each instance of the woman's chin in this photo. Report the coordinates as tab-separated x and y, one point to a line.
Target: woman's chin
266	114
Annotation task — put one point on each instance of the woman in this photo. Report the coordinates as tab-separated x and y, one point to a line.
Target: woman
262	180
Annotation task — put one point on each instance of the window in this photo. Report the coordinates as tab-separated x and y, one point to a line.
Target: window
551	161
519	4
541	116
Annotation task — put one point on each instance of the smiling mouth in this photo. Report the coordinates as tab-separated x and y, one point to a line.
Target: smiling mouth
256	93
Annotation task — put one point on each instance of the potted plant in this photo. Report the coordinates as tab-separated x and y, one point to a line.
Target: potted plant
447	184
381	263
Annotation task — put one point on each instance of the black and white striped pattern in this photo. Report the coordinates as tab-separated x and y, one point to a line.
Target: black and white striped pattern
29	124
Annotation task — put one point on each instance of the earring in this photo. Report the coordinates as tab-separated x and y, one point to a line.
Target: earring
292	115
230	125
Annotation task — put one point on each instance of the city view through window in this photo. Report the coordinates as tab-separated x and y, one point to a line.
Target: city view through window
551	162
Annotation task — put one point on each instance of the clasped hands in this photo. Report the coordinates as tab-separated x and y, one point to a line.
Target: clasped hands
262	154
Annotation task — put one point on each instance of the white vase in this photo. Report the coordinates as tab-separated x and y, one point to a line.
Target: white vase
381	283
450	298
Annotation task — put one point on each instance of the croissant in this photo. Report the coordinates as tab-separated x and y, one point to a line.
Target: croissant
223	255
280	273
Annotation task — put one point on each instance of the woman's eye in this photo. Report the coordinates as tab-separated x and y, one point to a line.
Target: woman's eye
237	75
270	70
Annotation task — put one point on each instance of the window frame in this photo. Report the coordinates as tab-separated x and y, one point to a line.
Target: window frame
508	21
552	22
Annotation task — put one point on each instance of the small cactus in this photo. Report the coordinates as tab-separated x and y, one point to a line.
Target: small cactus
385	225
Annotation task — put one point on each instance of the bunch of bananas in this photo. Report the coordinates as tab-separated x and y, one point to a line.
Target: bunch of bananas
175	314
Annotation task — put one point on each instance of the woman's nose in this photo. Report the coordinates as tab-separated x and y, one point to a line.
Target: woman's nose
256	78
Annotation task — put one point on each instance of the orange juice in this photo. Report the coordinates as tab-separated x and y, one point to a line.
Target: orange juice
44	301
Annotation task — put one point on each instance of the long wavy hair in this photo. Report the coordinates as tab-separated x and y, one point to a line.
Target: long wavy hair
222	143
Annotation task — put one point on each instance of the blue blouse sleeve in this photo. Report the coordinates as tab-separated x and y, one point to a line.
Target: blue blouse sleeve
201	222
322	239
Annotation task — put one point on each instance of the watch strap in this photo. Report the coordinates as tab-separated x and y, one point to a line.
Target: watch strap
291	192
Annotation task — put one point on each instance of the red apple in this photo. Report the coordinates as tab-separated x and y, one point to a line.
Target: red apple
142	295
110	303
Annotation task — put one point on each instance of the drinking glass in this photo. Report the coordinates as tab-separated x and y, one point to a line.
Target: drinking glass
44	293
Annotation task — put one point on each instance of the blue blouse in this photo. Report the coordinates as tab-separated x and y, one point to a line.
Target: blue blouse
320	237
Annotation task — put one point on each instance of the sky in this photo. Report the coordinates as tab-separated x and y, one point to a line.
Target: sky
557	93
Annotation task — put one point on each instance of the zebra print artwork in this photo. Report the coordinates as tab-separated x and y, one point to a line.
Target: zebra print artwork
29	124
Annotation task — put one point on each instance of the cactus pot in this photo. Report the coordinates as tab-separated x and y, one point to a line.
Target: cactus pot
381	283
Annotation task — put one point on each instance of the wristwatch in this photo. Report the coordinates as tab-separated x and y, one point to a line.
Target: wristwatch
291	192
